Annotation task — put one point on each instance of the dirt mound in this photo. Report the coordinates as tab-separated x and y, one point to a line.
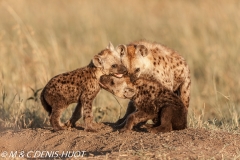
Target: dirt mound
189	143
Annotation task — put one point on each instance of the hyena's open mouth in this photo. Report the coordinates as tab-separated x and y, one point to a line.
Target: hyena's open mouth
118	75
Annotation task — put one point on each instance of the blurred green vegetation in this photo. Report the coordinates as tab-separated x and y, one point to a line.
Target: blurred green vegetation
40	39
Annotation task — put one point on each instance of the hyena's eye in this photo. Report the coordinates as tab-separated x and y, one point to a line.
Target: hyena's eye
114	66
112	83
137	70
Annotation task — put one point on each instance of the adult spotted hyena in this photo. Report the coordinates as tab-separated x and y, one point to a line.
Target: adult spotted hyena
79	86
145	59
152	100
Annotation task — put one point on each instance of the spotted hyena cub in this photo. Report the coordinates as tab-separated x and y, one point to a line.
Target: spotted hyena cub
152	100
79	86
145	59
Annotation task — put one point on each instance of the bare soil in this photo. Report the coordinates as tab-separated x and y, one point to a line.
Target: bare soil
110	144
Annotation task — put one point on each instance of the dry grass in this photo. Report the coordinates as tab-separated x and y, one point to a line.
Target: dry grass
40	39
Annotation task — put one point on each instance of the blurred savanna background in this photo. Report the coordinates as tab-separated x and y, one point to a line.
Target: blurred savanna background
40	39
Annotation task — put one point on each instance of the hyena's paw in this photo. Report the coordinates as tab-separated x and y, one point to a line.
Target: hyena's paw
94	127
68	124
98	125
90	129
59	128
162	129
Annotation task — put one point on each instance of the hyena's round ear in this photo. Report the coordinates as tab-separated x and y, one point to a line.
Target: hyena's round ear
141	49
97	61
110	46
121	49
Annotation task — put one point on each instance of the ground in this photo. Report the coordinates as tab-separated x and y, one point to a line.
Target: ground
110	144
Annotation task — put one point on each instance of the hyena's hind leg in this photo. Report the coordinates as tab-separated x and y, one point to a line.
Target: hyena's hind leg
185	89
165	115
55	120
135	118
171	117
77	114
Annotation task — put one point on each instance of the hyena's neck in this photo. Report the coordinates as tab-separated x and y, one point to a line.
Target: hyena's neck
150	68
96	72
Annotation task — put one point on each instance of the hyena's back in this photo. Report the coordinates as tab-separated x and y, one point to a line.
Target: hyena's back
78	86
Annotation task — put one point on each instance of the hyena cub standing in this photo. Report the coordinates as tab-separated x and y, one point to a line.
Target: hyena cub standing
144	59
79	86
152	100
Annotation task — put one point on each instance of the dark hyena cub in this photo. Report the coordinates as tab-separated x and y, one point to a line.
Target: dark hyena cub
79	86
152	101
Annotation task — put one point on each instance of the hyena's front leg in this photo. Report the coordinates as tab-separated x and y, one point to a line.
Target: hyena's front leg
88	116
136	118
90	126
130	109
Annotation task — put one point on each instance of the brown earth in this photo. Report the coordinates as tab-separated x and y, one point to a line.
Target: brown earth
108	144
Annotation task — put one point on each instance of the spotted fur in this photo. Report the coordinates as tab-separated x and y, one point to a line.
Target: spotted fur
79	86
144	59
152	100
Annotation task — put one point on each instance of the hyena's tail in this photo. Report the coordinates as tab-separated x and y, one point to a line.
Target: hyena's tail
46	106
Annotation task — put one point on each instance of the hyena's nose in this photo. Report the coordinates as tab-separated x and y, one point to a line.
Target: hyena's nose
123	70
132	77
